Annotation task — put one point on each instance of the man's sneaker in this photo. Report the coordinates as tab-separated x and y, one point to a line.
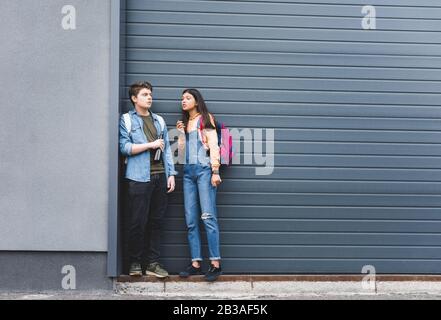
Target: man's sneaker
213	273
155	269
191	271
135	270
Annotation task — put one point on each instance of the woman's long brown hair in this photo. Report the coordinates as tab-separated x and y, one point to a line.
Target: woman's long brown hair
201	108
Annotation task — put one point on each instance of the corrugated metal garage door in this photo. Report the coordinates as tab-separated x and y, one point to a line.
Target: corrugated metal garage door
357	118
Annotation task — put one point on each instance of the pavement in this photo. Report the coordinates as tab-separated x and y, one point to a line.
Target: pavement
290	291
87	295
295	287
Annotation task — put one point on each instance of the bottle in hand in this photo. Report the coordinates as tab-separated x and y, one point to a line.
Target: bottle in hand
158	153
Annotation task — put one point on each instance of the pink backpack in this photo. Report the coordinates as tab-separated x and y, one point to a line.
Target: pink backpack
224	140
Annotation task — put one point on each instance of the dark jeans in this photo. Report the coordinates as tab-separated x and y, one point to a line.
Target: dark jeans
146	210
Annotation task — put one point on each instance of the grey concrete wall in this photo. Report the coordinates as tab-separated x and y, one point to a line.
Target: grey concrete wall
54	135
24	271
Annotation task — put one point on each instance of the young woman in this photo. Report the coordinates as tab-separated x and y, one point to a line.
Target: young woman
201	179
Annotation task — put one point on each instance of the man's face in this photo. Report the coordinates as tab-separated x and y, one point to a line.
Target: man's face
144	99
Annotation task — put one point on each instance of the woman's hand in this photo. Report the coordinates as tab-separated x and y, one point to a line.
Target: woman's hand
180	126
216	180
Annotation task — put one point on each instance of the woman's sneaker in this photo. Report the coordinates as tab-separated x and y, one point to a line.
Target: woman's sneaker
213	273
191	271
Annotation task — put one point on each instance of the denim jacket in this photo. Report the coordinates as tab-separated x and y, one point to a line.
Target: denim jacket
138	166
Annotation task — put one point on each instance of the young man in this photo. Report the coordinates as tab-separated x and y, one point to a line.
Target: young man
141	134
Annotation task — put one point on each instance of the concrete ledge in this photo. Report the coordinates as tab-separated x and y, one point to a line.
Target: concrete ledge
223	288
275	278
414	287
140	288
230	286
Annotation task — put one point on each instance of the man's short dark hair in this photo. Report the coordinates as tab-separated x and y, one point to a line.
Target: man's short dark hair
137	87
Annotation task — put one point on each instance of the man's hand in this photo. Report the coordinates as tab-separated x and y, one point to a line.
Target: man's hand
158	144
171	184
139	148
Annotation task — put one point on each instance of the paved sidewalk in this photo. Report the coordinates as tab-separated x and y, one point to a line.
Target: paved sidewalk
218	291
100	295
395	287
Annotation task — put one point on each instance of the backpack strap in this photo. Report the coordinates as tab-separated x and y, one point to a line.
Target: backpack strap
202	137
128	122
200	124
160	120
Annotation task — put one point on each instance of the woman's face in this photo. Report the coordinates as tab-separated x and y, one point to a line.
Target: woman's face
188	102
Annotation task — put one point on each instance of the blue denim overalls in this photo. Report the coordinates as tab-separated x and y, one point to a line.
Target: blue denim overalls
199	198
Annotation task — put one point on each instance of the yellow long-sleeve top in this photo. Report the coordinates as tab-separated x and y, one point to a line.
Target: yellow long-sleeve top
209	137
